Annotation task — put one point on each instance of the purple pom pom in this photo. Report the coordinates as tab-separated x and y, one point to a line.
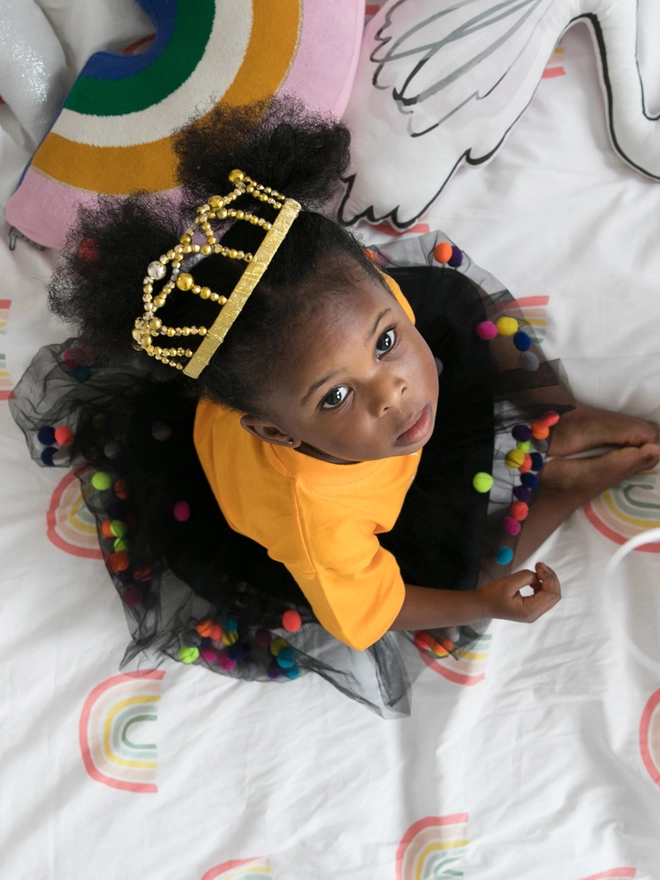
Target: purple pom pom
522	493
456	258
523	433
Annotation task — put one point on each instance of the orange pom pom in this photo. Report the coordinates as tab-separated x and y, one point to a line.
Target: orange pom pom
216	632
422	640
447	644
442	252
526	465
121	489
204	628
519	510
291	621
539	430
142	572
118	561
106	528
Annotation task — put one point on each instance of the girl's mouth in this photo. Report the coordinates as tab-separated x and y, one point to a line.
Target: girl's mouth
419	430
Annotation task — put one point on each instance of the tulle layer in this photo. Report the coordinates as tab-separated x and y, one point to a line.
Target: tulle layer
194	590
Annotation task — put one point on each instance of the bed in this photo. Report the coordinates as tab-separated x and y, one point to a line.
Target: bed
537	756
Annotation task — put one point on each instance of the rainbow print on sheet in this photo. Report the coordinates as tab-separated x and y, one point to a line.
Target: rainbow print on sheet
6	385
613	874
432	849
69	524
466	666
555	65
111	730
240	869
628	509
649	737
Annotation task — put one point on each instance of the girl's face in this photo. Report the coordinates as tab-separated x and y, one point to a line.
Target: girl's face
363	384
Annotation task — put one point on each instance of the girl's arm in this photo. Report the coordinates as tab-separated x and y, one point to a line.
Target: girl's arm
426	608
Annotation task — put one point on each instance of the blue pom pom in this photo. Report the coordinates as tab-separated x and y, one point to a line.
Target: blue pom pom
294	672
286	658
47	455
537	461
46	435
456	258
82	373
235	651
530	481
504	555
232	626
522	341
522	493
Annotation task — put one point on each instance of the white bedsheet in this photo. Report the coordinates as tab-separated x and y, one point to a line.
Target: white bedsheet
540	761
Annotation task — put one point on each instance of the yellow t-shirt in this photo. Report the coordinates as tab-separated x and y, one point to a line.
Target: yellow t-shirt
319	519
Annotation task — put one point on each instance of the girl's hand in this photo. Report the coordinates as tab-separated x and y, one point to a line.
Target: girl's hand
502	599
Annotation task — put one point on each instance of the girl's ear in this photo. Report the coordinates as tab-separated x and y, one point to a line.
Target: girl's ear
269	432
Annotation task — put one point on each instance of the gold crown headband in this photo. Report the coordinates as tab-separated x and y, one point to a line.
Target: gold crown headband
185	254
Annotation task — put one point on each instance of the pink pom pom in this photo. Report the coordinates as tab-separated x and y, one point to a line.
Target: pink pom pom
291	621
208	654
487	330
225	662
182	511
131	596
511	525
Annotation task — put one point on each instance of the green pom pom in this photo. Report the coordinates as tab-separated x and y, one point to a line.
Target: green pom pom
482	482
188	655
524	445
101	481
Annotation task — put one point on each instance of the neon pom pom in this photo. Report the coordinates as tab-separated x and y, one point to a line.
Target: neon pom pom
208	655
121	489
422	640
118	528
101	481
142	573
486	330
48	454
537	461
64	435
524	446
46	435
182	511
506	326
482	482
291	621
511	525
216	632
188	654
286	658
504	555
519	510
118	561
522	433
294	672
522	341
514	458
225	662
120	544
106	529
540	431
131	596
456	258
204	628
527	464
443	252
529	361
277	645
550	418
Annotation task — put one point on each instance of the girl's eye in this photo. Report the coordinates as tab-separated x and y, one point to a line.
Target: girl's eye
385	342
335	397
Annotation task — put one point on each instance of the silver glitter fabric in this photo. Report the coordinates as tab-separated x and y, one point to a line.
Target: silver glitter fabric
33	75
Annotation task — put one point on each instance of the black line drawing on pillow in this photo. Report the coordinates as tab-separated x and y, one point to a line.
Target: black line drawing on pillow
459	74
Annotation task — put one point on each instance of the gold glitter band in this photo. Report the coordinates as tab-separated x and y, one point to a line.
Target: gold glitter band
246	284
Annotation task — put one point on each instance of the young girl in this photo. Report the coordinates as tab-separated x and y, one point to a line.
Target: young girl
302	455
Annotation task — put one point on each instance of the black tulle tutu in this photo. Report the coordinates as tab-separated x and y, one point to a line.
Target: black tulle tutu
196	591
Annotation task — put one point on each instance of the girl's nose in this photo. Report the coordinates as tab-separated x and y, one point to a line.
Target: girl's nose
388	393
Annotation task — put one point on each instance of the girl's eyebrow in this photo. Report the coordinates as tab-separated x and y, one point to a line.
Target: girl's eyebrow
376	323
